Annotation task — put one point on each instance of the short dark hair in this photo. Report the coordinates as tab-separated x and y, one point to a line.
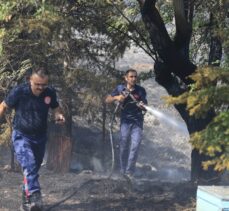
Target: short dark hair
130	71
41	71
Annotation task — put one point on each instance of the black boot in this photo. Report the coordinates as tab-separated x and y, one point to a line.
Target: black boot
36	203
25	202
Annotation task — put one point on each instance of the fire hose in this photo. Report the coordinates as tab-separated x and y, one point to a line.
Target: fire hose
111	139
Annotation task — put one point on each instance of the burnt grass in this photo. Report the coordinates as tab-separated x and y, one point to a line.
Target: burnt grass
89	191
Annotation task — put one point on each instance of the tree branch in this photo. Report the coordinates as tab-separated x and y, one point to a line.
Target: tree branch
171	53
183	27
140	34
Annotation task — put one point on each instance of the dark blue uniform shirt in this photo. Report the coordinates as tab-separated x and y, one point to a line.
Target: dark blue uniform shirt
31	111
130	111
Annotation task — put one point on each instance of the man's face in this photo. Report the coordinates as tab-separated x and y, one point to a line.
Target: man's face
38	84
131	78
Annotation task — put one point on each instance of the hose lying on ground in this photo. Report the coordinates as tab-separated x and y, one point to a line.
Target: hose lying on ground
111	139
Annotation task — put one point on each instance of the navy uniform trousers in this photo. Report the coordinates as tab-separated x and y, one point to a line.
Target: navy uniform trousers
29	152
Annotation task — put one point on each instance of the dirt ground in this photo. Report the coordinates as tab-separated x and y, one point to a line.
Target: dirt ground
89	191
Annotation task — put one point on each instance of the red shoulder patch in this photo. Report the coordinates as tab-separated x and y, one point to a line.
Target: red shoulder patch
47	100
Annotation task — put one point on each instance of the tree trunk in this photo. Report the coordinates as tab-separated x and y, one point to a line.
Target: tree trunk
59	150
172	66
59	143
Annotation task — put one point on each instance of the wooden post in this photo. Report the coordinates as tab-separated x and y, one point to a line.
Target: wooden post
59	141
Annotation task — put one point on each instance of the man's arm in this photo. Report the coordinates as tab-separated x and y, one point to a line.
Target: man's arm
58	115
3	108
111	99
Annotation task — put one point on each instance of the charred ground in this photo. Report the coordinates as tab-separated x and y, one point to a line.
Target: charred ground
87	191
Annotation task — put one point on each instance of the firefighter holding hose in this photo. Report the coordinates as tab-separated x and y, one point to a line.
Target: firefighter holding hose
132	99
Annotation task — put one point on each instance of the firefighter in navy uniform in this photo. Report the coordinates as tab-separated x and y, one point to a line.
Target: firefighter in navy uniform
31	102
132	98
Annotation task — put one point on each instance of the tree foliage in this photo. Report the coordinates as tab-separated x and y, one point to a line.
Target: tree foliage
75	39
210	92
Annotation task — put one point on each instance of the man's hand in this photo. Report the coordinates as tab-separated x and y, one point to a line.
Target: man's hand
59	119
120	98
141	105
110	99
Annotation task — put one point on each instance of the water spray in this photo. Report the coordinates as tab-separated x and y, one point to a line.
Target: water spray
162	117
165	118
